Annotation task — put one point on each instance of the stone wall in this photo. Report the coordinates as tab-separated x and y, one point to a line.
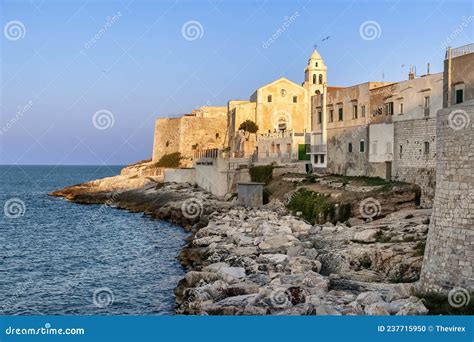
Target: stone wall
340	160
412	163
187	134
449	254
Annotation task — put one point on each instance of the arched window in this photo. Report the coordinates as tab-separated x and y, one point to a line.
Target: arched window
314	79
320	79
316	64
317	92
269	98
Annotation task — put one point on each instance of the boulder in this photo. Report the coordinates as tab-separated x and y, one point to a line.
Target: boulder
377	309
408	306
400	291
276	243
370	297
243	300
273	258
365	236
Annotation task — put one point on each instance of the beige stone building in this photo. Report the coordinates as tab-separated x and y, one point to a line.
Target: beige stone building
204	128
282	111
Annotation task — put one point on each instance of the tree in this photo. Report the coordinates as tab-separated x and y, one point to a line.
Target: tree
249	126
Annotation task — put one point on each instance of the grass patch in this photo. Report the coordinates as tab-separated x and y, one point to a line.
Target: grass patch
380	236
170	160
261	174
420	248
315	207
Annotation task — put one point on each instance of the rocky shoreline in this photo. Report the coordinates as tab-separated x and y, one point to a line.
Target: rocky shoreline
263	261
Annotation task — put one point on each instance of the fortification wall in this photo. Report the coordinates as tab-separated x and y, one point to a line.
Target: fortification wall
449	254
187	134
412	162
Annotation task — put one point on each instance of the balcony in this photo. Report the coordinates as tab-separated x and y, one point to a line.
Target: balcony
316	149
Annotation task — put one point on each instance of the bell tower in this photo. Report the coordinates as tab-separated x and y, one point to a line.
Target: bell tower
315	74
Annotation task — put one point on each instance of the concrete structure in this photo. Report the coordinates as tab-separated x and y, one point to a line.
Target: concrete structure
250	194
449	256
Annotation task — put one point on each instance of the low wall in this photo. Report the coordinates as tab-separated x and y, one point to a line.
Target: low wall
212	175
180	176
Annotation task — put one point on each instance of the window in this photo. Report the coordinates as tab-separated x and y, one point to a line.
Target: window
331	115
389	148
389	108
295	99
341	114
426	102
217	135
349	147
354	112
401	151
426	147
320	117
362	111
362	146
459	95
426	105
314	79
269	98
316	64
322	158
401	108
320	79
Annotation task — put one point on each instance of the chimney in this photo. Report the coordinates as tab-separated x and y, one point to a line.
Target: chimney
428	69
411	74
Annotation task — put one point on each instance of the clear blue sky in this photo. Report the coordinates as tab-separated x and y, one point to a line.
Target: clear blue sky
141	67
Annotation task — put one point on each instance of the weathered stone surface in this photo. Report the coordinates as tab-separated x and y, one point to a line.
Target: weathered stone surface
367	235
371	297
377	309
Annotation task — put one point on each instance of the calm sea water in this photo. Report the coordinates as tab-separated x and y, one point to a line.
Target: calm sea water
58	257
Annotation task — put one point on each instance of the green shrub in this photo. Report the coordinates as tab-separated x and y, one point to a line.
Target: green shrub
420	248
170	160
262	174
249	126
315	207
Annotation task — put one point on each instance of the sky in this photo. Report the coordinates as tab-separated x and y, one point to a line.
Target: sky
82	82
